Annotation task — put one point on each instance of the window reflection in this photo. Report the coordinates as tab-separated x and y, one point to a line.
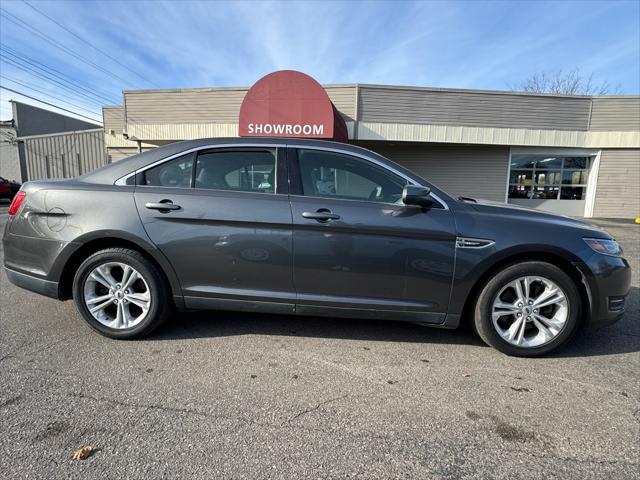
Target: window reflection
548	177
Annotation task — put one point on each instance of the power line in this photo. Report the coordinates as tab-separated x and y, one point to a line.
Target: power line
22	24
88	43
47	103
32	87
29	70
35	89
56	84
49	71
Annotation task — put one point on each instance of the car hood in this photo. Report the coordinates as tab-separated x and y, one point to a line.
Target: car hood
531	214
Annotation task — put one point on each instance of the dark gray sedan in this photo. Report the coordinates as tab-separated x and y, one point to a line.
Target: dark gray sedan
310	228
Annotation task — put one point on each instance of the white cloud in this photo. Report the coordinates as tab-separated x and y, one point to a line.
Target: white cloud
445	44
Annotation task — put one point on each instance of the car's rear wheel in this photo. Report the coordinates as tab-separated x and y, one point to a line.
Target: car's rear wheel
527	309
121	294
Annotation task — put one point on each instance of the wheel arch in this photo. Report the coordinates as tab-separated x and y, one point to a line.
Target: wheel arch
552	257
88	245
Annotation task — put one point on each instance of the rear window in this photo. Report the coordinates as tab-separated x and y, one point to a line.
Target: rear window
175	173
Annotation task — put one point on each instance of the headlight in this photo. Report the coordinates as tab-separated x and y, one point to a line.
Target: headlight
606	247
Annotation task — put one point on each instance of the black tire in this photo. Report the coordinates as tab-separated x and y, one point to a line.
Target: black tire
161	305
483	323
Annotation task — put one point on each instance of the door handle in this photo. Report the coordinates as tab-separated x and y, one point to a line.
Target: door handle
162	205
322	215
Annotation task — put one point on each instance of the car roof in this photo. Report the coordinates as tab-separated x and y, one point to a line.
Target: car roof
112	172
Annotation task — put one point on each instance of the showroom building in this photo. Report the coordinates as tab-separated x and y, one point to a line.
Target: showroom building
574	155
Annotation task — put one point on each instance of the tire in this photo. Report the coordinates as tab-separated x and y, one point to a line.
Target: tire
112	321
534	341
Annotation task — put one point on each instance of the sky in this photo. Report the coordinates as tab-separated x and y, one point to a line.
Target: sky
97	49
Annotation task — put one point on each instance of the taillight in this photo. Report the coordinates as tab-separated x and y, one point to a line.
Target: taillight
16	203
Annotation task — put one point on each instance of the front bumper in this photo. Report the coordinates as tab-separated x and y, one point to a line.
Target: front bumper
608	280
34	284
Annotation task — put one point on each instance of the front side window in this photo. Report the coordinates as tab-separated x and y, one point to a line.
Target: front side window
548	177
174	173
246	171
329	174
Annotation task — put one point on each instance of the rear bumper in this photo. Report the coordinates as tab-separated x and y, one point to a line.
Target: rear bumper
608	280
34	284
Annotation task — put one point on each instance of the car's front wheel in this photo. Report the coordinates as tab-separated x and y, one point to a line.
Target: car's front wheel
121	294
527	309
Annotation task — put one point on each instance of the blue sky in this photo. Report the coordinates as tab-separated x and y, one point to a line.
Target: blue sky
471	44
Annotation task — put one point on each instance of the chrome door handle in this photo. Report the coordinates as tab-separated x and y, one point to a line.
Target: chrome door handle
322	215
165	205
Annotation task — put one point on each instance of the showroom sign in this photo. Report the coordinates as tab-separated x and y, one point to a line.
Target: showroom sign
282	129
290	104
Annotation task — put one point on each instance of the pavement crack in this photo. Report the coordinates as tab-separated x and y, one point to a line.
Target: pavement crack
312	409
163	408
145	406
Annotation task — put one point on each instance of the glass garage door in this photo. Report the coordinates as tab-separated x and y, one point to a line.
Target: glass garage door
553	183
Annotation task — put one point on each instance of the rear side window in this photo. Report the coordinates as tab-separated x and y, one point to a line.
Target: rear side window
174	173
246	171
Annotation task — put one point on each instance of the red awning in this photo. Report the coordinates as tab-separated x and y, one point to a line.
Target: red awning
290	104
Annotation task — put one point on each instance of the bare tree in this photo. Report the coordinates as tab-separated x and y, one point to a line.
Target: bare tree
565	83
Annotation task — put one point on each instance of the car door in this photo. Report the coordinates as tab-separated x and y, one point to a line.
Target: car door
358	248
223	220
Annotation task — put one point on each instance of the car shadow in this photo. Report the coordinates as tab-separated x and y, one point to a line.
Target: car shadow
187	325
622	337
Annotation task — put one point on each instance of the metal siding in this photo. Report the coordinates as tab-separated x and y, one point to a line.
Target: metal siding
621	114
344	99
481	109
113	119
208	105
117	154
479	172
618	185
189	106
56	156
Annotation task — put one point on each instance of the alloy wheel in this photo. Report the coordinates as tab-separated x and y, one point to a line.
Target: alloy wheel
117	295
530	311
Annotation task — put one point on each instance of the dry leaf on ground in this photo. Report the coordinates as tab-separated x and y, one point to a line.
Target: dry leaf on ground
83	453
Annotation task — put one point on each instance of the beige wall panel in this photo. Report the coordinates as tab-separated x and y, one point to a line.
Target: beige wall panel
618	185
479	135
616	113
189	131
470	171
208	105
184	106
344	99
113	119
483	109
115	154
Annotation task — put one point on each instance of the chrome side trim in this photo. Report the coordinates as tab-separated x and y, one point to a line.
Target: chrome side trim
122	181
475	243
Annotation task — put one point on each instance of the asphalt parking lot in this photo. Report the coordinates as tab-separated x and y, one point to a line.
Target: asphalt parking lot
223	395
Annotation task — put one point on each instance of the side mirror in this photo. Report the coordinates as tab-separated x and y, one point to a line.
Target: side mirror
416	195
